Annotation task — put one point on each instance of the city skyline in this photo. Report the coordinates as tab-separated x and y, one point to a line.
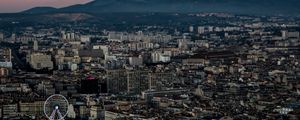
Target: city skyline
149	59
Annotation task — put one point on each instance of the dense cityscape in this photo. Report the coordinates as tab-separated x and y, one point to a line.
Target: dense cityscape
219	66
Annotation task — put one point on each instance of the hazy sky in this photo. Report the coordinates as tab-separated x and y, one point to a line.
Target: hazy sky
9	6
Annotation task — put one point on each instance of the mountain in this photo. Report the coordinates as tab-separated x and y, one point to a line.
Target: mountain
258	7
39	10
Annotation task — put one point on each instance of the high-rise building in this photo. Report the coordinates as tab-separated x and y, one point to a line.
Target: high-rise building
63	35
13	37
155	57
116	81
160	57
286	34
5	62
35	45
85	38
137	81
210	28
201	29
127	81
1	36
5	58
68	36
183	44
4	72
136	61
72	36
89	85
191	29
71	113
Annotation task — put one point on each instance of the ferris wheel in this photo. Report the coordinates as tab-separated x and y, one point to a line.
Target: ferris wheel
56	107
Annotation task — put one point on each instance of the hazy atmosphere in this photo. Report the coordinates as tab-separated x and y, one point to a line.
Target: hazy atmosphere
9	6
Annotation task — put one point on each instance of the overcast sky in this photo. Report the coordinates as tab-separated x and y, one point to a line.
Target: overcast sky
10	6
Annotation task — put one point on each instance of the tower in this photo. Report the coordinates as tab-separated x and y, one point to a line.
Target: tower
191	29
35	45
284	34
13	37
1	36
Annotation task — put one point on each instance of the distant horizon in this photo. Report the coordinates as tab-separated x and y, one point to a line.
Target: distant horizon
250	7
15	6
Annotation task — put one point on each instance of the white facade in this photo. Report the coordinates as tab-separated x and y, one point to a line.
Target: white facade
40	61
74	67
160	57
191	29
285	34
155	57
35	45
201	30
71	112
165	58
85	38
135	61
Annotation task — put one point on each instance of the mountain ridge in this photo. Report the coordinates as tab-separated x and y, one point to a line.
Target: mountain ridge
39	10
259	7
